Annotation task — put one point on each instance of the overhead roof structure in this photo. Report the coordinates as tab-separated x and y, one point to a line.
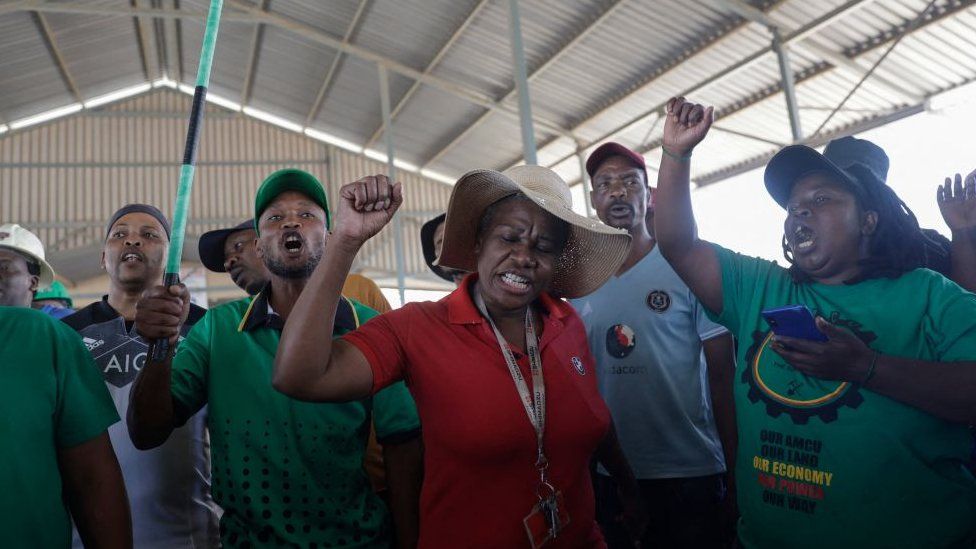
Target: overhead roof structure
598	70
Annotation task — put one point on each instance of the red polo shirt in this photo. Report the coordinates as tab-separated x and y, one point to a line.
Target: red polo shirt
479	447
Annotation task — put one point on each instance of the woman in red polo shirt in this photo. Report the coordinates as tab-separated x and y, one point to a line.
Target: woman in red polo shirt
500	369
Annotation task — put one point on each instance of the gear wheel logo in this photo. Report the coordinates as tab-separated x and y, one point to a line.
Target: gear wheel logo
783	389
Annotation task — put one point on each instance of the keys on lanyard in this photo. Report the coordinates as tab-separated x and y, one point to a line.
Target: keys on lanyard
549	507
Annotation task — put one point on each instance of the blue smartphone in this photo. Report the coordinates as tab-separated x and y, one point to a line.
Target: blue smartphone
793	321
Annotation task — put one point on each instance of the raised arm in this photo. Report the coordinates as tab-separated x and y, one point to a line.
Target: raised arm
693	259
151	417
957	201
309	365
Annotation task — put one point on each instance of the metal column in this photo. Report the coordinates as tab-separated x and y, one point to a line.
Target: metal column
584	180
391	173
522	84
789	86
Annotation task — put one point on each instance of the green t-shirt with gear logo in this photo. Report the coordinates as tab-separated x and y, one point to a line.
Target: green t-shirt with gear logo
832	464
285	472
52	397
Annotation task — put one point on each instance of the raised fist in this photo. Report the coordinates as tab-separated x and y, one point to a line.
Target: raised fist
686	125
366	206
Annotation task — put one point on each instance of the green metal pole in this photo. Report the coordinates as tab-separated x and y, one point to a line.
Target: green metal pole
182	206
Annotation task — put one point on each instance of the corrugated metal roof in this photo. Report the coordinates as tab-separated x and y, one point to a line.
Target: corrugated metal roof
29	81
289	73
63	180
598	66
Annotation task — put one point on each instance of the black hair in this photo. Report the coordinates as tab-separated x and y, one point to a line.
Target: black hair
33	267
489	215
898	244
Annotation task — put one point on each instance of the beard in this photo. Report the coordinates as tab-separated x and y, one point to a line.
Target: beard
279	268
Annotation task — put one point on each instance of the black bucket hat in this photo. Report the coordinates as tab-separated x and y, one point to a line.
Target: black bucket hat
839	158
430	252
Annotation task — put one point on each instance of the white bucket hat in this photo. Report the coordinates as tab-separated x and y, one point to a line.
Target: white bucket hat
16	238
591	255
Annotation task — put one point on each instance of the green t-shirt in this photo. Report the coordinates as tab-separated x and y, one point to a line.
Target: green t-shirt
51	397
284	471
831	464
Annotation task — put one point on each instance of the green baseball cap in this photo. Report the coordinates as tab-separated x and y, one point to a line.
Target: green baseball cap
55	291
290	179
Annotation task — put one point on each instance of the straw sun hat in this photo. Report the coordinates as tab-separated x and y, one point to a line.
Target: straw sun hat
592	253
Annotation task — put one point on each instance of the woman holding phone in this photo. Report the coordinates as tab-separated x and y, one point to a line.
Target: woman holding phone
859	440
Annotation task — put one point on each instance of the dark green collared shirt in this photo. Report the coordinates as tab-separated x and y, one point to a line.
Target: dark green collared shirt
284	471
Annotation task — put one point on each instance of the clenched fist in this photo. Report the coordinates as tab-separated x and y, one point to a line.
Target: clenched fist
686	125
365	207
162	311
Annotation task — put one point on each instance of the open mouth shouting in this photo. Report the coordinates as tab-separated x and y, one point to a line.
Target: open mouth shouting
803	238
621	209
293	243
132	257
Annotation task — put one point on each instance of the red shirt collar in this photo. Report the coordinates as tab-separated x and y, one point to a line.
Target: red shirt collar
462	310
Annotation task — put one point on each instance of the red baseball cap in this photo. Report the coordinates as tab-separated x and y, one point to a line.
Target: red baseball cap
607	150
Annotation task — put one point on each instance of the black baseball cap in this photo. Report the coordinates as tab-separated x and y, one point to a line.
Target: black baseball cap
211	245
848	159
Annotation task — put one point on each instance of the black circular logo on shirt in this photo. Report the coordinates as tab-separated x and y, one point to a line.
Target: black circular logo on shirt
659	301
620	340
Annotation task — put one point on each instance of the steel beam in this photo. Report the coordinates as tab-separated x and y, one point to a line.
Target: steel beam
97	8
11	7
789	85
577	38
176	164
141	39
808	29
746	135
856	69
813	141
459	90
584	180
430	66
391	173
252	14
178	29
521	82
336	64
52	47
810	45
159	33
256	41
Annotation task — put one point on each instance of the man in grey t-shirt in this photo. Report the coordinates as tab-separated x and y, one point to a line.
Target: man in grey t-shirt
169	486
648	334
